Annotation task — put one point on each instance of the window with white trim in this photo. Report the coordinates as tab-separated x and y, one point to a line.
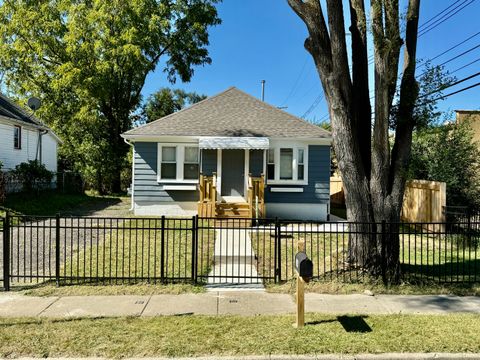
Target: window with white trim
178	163
17	137
301	164
191	163
169	163
271	164
287	165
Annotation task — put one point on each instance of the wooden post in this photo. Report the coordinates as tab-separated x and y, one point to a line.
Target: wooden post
300	295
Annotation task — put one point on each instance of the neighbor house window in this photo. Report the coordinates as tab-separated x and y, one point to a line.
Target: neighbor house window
271	165
287	165
169	163
191	163
17	137
178	162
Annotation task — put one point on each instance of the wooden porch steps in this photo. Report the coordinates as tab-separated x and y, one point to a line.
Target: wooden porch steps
232	210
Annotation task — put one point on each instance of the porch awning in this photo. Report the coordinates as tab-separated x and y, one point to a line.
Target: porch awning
234	142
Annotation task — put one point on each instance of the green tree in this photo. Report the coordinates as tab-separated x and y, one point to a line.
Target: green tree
167	101
447	153
88	61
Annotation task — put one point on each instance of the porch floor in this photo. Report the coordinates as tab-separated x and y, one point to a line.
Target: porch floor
233	199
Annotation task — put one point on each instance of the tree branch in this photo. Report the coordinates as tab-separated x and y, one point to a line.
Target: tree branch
408	95
362	111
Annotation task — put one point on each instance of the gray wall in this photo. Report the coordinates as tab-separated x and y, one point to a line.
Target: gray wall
209	162
256	162
318	188
147	189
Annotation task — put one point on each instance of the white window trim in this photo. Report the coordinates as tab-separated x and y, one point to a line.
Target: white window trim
179	157
294	181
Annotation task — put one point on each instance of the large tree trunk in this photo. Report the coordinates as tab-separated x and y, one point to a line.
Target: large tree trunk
373	175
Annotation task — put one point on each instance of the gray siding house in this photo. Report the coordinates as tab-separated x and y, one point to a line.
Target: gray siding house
224	144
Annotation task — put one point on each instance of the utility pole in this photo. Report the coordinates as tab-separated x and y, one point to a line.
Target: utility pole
263	90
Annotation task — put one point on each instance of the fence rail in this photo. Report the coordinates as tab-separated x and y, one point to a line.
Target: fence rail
76	250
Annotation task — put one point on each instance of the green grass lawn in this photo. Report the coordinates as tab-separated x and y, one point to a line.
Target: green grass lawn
134	251
424	256
49	203
49	289
235	336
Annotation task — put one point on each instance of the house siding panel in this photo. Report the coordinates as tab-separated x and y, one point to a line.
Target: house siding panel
256	162
209	162
147	189
11	157
318	189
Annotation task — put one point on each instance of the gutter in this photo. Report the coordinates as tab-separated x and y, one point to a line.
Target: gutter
132	207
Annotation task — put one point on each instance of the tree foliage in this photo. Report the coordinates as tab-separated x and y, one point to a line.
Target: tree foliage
447	153
167	101
88	61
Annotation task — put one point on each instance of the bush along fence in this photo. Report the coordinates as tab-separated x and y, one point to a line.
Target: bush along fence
77	250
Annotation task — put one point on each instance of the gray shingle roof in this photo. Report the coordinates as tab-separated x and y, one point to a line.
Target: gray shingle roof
231	113
10	109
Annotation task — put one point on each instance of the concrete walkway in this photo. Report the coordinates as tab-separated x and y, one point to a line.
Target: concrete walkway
231	303
234	262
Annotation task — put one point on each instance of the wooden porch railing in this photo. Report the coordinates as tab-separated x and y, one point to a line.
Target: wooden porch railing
256	196
208	195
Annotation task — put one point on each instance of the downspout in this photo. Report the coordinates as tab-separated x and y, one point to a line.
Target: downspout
132	207
38	155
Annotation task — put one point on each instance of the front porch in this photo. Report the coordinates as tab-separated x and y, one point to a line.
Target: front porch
213	204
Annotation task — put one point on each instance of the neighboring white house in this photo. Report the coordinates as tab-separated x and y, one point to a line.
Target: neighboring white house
23	137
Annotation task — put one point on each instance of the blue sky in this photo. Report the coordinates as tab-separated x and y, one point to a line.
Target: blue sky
263	39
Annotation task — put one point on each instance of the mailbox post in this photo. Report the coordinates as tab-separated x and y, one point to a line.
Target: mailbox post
304	269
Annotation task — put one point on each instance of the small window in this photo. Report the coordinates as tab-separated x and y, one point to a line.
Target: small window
301	165
286	164
17	137
190	164
271	165
169	162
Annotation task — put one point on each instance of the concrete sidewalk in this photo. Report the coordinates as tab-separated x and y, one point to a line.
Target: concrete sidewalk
231	303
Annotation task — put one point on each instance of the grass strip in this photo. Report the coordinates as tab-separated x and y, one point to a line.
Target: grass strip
234	335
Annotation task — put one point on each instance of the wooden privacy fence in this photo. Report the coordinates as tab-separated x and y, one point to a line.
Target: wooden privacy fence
337	197
423	201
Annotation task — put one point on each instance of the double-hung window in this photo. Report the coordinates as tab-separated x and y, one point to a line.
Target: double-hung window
17	137
169	163
287	165
191	163
271	164
178	163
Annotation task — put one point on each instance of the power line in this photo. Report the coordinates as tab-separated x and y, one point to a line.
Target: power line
453	93
464	66
450	49
295	83
450	85
440	13
312	107
454	58
440	21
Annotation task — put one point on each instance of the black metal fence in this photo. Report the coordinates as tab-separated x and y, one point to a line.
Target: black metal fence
75	250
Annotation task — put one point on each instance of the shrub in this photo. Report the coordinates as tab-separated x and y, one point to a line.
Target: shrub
33	175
